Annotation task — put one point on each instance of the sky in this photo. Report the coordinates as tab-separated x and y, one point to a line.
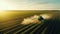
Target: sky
29	4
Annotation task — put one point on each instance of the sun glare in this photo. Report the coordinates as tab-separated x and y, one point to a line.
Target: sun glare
3	13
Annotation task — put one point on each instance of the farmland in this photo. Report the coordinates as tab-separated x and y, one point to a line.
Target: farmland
11	22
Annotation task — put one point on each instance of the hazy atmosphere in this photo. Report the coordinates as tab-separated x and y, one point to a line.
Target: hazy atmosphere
29	16
29	4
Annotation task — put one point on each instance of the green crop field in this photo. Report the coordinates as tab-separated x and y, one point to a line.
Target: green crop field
10	21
